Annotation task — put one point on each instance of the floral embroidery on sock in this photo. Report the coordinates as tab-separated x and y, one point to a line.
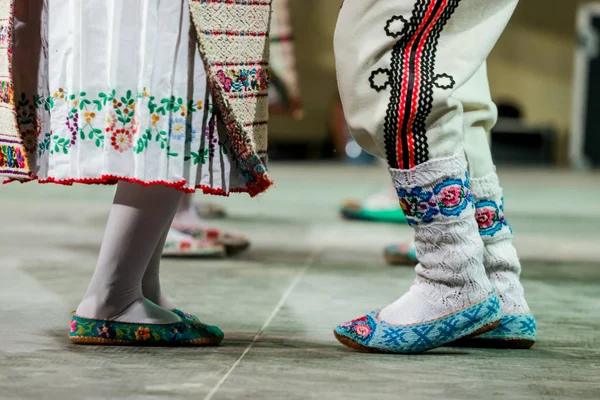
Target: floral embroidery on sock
490	217
447	198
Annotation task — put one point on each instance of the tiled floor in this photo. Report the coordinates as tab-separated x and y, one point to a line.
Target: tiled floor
307	271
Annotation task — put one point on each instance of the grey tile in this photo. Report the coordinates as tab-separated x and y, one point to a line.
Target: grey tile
307	271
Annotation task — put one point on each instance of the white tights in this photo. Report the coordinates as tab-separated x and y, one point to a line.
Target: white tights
125	285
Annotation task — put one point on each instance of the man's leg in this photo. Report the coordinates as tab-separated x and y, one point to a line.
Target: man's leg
518	328
400	64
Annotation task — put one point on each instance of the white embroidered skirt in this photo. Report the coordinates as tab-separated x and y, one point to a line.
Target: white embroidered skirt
120	94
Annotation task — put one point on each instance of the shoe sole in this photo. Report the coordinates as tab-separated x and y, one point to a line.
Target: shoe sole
113	342
399	261
346	341
198	254
233	250
473	342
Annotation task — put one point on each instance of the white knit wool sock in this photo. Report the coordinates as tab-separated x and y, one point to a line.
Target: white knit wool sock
500	256
137	221
436	199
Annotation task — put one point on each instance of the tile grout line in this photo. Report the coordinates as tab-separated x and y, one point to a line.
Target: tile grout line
309	263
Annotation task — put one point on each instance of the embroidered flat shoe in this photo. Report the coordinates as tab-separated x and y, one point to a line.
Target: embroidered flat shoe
514	332
404	254
179	244
371	334
233	244
353	210
194	320
98	332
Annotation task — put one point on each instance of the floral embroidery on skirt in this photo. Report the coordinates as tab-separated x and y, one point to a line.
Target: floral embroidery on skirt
121	92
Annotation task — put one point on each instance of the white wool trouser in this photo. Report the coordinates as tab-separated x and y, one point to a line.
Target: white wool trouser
409	69
413	83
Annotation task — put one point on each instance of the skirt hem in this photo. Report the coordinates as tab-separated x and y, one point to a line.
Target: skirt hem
110	180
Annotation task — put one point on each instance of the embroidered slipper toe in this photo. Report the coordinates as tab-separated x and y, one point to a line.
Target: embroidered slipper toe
191	319
371	334
87	331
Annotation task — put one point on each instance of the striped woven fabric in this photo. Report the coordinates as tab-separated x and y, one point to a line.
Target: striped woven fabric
284	94
13	159
233	37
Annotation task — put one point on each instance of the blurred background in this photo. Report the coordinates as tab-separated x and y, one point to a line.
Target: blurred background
532	73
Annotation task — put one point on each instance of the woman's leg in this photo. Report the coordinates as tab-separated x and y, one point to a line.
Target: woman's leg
137	222
151	287
400	64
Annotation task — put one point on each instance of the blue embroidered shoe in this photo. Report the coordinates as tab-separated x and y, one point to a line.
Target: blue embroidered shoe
371	334
99	332
514	332
517	328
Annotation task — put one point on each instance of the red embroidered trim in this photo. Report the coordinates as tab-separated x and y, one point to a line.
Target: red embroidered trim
234	33
254	189
238	2
239	64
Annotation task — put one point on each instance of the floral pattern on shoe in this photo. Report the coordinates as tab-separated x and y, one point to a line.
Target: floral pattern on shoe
490	217
369	332
232	243
514	327
448	198
190	247
93	331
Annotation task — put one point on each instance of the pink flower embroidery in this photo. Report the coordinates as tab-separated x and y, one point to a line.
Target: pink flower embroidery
450	195
73	326
362	330
225	81
485	217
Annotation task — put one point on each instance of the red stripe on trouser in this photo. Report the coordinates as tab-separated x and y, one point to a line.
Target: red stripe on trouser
406	78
